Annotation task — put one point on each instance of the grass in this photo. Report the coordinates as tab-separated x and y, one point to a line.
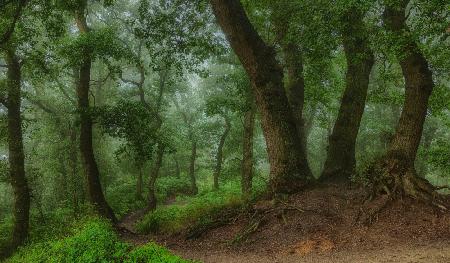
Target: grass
94	240
200	209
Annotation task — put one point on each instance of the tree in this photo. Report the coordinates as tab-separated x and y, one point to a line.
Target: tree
87	152
247	148
293	66
16	153
341	161
289	171
219	154
395	173
188	121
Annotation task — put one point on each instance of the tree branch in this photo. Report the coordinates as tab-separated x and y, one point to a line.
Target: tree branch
7	35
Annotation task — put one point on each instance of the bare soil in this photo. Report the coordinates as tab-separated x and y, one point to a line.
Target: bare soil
323	224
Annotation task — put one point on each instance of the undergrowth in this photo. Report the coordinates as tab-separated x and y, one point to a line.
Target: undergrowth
94	240
189	211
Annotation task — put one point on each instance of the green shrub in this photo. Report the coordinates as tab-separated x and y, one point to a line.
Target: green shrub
168	186
152	253
122	196
188	211
93	241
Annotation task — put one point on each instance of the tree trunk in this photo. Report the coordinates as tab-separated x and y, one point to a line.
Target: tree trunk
75	183
219	155
395	173
288	167
16	155
341	162
62	191
87	152
153	176
177	168
194	188
419	85
427	139
139	184
295	83
247	151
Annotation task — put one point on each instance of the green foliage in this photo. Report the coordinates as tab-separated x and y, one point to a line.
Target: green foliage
99	44
92	241
152	253
122	196
177	33
189	211
170	186
133	122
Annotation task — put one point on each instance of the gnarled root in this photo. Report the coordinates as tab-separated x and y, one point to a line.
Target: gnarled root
393	177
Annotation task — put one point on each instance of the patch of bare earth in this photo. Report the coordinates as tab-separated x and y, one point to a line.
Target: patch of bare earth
323	225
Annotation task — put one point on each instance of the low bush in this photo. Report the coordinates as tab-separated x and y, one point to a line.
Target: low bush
92	241
188	211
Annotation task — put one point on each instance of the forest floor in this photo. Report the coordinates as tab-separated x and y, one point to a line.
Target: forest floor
323	224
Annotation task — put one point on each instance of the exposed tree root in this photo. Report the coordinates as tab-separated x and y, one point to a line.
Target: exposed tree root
394	178
224	218
261	213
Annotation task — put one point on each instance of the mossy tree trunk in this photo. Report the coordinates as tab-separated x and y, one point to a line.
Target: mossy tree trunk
219	154
87	152
16	154
77	191
139	183
247	150
395	173
341	161
154	175
193	158
293	70
288	170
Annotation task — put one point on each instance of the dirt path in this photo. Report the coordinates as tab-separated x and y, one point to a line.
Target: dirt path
429	253
322	228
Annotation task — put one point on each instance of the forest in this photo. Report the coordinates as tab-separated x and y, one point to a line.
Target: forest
224	131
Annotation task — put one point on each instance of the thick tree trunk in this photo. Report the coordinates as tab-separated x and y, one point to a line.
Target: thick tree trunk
427	140
194	188
87	152
154	175
288	167
16	155
247	151
419	85
341	162
295	83
395	173
219	155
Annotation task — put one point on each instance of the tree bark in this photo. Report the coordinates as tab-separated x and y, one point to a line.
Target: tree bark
16	154
194	188
193	139
288	167
418	86
295	83
87	152
395	173
219	155
340	163
139	184
153	176
247	151
177	168
74	172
